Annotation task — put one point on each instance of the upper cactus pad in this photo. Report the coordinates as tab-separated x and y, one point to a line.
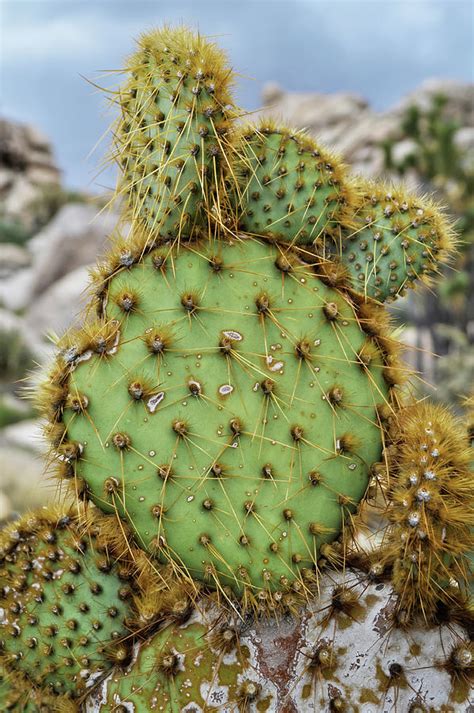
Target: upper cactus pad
290	188
171	140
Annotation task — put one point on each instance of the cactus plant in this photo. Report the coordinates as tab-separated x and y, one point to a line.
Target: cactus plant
397	239
172	140
430	511
68	607
290	188
241	422
231	401
14	699
198	662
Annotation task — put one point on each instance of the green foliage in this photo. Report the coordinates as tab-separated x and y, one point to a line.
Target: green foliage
15	356
10	414
13	231
48	203
455	371
444	168
38	213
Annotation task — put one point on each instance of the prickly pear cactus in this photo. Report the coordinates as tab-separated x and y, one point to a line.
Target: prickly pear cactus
291	189
231	401
430	511
197	663
16	700
242	415
397	238
66	605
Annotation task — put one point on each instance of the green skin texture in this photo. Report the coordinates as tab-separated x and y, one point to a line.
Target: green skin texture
386	252
171	157
66	678
227	301
147	687
280	196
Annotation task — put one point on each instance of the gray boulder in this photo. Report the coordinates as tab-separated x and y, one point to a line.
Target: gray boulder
75	236
12	258
56	308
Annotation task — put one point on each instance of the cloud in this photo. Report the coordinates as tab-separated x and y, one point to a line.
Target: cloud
73	32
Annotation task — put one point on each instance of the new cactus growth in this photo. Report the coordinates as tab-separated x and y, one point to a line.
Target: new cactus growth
430	511
172	139
397	239
229	402
291	189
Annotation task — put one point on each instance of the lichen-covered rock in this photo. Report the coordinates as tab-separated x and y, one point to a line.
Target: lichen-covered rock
345	652
196	666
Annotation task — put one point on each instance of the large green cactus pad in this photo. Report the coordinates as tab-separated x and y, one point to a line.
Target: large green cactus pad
232	419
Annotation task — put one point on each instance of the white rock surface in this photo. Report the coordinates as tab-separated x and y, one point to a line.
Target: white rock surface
326	661
22	484
74	237
13	258
56	308
25	435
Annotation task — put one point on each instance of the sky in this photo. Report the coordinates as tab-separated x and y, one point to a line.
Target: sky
380	49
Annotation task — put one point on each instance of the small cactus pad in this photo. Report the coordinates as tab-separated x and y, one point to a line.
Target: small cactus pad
397	239
226	405
431	511
172	136
291	189
64	605
197	666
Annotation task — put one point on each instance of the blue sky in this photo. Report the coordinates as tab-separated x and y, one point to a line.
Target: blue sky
380	49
